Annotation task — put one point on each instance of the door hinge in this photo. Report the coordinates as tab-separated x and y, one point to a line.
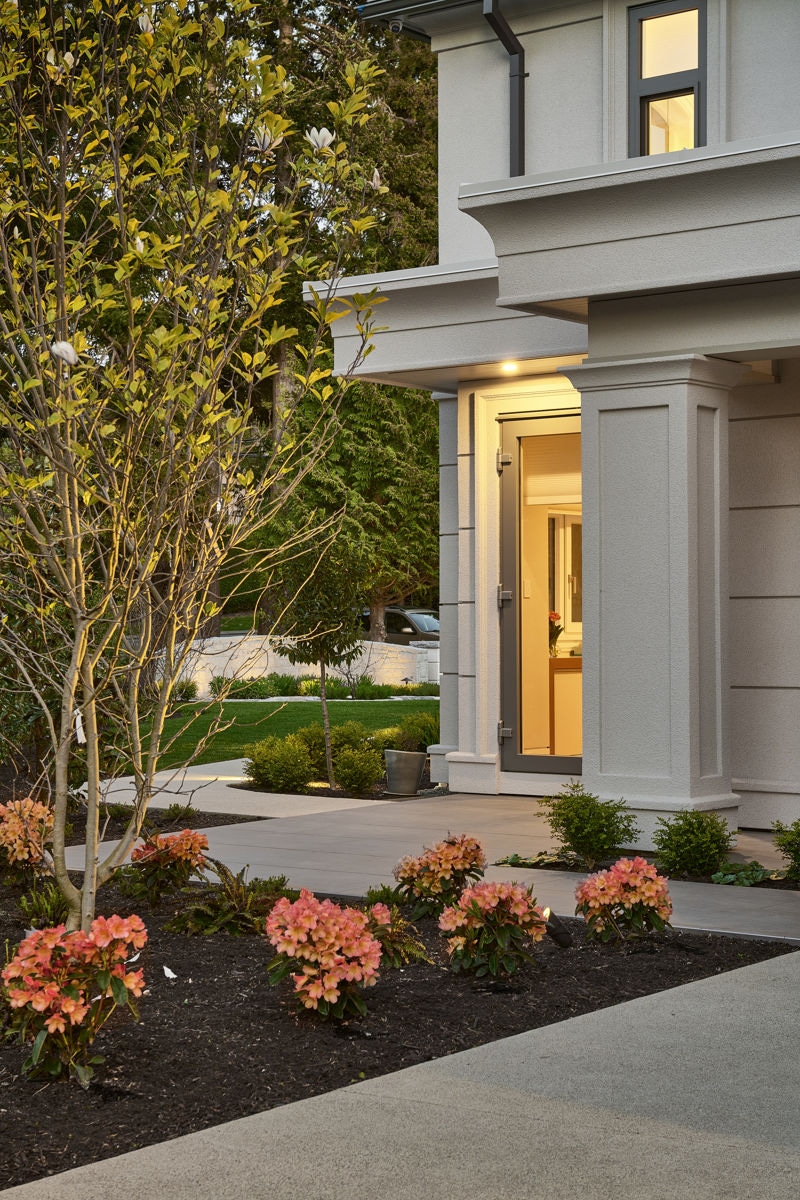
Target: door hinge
503	732
502	459
504	596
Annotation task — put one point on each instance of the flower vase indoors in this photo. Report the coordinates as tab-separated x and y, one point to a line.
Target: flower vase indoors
555	632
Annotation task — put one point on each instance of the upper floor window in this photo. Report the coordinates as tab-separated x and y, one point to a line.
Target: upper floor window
667	68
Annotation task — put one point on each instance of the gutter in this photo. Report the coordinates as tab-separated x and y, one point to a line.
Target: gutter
516	76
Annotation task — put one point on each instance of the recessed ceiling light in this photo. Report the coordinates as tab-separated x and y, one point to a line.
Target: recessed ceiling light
508	368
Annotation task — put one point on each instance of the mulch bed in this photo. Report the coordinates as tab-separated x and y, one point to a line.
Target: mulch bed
218	1043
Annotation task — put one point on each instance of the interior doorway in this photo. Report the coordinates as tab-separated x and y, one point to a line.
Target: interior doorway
541	595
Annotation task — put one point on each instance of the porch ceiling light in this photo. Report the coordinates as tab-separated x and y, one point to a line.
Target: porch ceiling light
509	367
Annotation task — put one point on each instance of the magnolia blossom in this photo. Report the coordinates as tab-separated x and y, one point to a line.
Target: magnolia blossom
65	351
320	139
376	179
145	24
264	141
138	245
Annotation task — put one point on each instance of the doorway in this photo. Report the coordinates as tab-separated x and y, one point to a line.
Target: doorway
541	594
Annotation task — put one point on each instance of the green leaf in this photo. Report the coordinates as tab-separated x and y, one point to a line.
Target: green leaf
41	1038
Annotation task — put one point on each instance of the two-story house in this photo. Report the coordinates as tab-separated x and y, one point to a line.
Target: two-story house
613	333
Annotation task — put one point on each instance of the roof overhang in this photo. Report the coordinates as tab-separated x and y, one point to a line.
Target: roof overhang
440	327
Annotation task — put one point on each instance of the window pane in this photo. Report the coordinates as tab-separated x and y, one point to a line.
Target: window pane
670	44
670	124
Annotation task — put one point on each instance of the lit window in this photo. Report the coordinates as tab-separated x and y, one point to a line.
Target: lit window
667	77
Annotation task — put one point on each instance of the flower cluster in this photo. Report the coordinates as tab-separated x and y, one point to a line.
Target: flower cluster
554	632
437	876
332	946
165	862
62	988
26	827
490	927
628	900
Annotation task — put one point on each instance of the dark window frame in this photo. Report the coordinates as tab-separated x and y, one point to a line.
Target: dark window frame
659	87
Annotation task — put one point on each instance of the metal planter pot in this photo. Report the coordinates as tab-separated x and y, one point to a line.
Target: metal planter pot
404	770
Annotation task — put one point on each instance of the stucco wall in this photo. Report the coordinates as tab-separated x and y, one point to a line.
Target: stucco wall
564	113
765	598
252	656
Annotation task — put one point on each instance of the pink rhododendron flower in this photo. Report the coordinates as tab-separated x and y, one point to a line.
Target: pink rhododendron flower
628	899
333	944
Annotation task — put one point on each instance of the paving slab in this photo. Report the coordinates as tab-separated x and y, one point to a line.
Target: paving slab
322	845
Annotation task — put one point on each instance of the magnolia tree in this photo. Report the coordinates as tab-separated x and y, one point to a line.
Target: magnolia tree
144	253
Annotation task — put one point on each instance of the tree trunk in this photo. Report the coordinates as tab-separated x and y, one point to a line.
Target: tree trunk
326	723
377	621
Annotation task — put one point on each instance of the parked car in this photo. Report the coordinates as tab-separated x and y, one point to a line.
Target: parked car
404	625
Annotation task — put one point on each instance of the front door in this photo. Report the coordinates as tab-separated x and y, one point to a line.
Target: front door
541	595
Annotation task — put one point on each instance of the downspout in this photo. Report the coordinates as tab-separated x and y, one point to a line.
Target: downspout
516	76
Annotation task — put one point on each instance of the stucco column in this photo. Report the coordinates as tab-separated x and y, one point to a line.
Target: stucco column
655	579
448	585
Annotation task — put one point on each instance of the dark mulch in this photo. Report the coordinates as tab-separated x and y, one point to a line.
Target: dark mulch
219	1043
159	821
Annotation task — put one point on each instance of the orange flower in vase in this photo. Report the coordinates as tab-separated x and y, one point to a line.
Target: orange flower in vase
555	632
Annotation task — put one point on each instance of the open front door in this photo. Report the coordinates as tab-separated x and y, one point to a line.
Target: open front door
541	595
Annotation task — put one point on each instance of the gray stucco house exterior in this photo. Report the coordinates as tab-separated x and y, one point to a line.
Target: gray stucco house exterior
613	333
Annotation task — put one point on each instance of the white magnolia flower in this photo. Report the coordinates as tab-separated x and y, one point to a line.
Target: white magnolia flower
68	60
145	24
264	141
376	179
65	351
138	245
320	138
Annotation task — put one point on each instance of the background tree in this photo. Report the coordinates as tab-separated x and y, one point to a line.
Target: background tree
142	272
315	612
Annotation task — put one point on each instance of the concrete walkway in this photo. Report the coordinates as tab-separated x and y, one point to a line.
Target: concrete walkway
343	847
691	1094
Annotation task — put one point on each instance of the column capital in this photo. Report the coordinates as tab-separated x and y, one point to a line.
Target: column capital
611	375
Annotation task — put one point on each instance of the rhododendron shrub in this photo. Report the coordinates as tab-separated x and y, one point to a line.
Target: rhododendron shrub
437	876
398	938
628	900
329	951
26	828
62	988
491	927
165	862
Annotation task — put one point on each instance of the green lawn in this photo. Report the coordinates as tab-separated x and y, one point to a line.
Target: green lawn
257	719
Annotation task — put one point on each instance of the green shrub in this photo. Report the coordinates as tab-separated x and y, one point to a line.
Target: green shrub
592	828
335	689
264	687
350	734
279	764
419	731
367	689
184	691
737	874
386	739
693	842
787	840
383	893
43	907
313	737
358	769
416	689
233	905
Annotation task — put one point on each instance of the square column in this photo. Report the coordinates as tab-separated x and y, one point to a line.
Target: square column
655	576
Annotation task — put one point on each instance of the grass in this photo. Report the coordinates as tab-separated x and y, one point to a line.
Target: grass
253	720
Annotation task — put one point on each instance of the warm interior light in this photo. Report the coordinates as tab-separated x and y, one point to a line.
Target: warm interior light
508	368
